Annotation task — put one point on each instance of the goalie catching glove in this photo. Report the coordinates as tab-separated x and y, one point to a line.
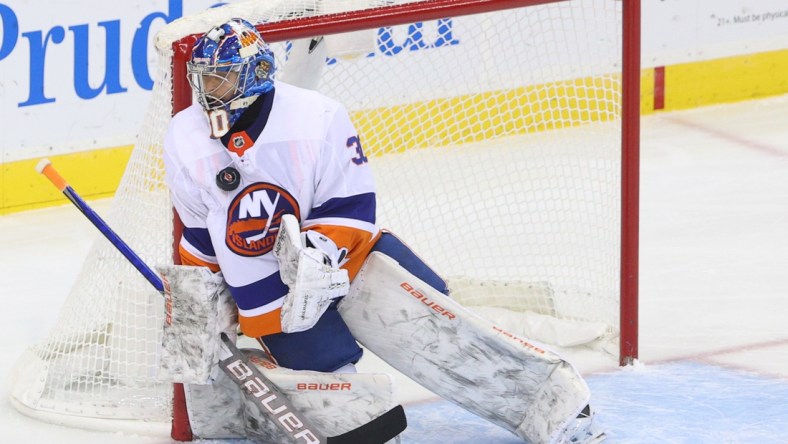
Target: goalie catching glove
313	274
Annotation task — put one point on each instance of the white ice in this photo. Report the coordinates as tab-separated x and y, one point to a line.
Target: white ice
713	294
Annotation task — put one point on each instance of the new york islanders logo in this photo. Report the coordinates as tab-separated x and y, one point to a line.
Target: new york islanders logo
254	216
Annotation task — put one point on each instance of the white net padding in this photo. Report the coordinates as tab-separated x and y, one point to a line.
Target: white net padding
495	140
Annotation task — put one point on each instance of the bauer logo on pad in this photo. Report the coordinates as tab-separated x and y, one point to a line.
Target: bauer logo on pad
254	216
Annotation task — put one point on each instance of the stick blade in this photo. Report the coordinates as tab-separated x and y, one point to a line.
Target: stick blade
380	430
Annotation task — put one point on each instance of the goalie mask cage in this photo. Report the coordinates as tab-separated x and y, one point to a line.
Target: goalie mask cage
504	140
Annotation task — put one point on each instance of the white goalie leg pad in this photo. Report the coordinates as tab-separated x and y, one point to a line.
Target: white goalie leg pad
334	402
198	308
560	332
525	309
519	385
216	411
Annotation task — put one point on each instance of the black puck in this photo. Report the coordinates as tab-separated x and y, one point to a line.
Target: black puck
228	179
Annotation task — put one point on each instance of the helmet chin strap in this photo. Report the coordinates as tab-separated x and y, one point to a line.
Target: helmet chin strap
219	119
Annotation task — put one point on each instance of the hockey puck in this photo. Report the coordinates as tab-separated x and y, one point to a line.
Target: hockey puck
228	179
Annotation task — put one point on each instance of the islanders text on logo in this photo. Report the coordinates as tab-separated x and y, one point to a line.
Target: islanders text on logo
254	216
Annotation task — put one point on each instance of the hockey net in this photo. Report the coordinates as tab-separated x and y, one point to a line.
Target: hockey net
496	140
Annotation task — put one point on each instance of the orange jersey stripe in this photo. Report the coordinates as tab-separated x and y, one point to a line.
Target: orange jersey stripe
358	243
190	259
263	325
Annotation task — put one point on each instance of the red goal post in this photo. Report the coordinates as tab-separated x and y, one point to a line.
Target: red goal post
505	141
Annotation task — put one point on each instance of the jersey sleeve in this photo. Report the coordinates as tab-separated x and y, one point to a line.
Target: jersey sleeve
345	203
194	247
260	303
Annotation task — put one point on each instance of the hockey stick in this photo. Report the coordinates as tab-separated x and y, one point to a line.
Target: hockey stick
45	167
255	386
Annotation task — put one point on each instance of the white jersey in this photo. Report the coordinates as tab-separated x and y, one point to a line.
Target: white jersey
297	153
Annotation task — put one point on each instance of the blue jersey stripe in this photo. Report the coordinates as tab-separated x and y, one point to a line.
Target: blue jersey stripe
259	293
200	239
359	207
